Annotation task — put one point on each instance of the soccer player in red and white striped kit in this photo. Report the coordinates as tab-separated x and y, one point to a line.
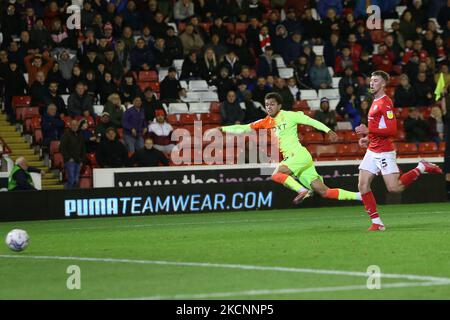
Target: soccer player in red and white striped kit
381	155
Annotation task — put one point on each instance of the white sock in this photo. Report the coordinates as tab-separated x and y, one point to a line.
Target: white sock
302	189
377	221
421	167
358	196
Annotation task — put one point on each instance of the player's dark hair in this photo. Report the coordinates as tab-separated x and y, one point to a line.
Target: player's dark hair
275	96
382	74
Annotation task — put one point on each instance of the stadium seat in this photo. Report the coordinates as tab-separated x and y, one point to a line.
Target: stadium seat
377	35
57	160
85	183
155	86
241	28
178	63
147	76
350	136
230	26
143	85
426	148
198	85
173	119
328	140
329	93
175	108
193	96
54	147
98	109
38	136
390	91
388	24
335	82
21	101
67	120
187	118
327	152
209	96
215	107
312	137
309	113
442	148
308	94
92	159
300	105
349	151
318	50
314	104
279	62
286	73
406	149
312	148
333	103
199	107
401	135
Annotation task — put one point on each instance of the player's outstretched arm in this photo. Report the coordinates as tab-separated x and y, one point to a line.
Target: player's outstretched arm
237	128
301	118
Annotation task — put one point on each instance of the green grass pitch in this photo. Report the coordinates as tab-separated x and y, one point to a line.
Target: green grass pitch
318	253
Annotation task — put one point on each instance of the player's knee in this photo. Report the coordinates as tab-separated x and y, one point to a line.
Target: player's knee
394	188
363	187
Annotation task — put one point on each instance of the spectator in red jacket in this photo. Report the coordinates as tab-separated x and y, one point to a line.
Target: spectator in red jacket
383	59
35	63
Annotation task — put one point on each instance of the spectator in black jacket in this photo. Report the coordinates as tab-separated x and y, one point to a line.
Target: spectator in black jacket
106	87
80	103
73	152
223	84
405	95
38	91
105	123
111	153
416	128
53	97
231	111
192	67
423	90
150	103
232	63
170	87
267	65
348	79
52	125
148	156
14	84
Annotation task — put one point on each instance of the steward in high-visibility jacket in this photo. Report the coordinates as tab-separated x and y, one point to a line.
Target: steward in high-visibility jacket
20	179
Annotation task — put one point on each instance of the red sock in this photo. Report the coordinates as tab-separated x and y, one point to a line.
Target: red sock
279	177
370	204
332	194
409	177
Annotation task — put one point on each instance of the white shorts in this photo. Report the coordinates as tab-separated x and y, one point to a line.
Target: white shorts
384	162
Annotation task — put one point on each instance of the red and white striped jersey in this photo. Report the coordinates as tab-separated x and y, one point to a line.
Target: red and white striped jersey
382	125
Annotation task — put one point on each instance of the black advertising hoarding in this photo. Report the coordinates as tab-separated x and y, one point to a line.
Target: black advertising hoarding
203	198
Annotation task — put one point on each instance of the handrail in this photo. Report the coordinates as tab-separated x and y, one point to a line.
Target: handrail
6	149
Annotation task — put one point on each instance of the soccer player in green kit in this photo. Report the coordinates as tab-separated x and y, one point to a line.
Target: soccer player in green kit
297	161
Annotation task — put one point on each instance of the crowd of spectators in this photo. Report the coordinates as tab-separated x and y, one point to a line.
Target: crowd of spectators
118	38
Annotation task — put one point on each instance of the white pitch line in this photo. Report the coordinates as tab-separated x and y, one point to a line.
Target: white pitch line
286	291
231	266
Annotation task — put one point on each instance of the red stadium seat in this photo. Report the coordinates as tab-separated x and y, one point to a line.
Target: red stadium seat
54	147
309	113
67	120
155	86
211	118
312	148
172	119
215	107
312	137
428	147
143	85
340	136
304	129
348	150
401	135
230	26
21	101
148	76
327	152
300	105
85	182
394	81
442	148
38	136
350	136
35	123
390	91
377	36
120	133
57	160
407	149
187	118
241	28
92	159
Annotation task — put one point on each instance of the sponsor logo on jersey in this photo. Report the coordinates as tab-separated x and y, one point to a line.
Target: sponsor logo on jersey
390	114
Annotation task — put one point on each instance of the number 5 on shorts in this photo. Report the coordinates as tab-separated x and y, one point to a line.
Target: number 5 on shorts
383	163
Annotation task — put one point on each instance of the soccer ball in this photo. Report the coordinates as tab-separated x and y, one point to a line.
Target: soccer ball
17	239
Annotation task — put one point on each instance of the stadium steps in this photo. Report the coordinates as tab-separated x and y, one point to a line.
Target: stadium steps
19	147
